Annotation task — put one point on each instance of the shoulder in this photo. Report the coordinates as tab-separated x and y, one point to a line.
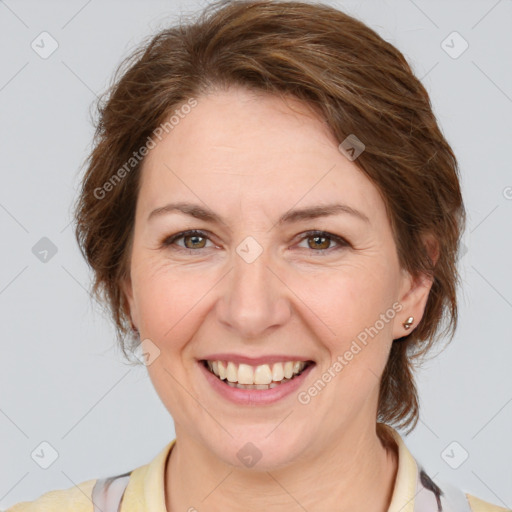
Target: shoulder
478	505
76	498
133	487
412	480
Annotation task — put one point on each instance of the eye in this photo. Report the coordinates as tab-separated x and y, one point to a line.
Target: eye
196	239
321	241
193	239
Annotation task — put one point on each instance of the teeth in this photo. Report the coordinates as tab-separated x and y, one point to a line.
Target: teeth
288	369
221	370
258	377
262	374
231	372
254	386
246	375
277	372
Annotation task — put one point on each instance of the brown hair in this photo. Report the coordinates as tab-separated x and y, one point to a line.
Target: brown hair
357	82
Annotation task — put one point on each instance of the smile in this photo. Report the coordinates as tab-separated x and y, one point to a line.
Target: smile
261	377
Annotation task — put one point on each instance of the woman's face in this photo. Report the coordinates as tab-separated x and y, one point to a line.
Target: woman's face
253	291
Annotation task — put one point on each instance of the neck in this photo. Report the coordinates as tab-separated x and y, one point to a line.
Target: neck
356	473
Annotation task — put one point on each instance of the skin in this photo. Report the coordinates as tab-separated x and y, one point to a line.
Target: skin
250	158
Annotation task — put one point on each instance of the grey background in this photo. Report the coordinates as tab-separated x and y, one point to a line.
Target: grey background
63	381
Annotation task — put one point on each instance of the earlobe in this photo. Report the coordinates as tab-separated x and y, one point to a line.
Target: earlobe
415	292
413	300
127	290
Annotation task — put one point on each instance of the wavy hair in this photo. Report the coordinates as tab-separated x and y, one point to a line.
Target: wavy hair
357	82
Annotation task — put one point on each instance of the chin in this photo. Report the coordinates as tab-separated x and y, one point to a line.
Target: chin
260	448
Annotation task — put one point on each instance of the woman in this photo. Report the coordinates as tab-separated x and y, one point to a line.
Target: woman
273	215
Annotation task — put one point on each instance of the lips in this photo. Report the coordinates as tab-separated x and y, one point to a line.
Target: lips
255	394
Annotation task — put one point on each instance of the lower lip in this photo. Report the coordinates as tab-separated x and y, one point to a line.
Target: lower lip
254	396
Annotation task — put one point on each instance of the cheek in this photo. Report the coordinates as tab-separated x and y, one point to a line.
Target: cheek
356	303
171	302
351	298
359	307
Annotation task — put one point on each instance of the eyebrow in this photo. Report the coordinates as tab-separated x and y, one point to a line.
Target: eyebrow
291	216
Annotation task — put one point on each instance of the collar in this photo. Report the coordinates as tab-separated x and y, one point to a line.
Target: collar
404	491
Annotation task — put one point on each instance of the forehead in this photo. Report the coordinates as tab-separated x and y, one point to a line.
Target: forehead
252	150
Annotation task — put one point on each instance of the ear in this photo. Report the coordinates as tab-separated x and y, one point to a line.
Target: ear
414	292
127	290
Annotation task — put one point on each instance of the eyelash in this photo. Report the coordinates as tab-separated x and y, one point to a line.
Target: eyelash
342	243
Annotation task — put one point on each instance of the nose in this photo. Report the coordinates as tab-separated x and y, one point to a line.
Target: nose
254	299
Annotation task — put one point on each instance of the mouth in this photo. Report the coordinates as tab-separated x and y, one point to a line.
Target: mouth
260	377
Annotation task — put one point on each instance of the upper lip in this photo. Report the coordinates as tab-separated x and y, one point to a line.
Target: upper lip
255	361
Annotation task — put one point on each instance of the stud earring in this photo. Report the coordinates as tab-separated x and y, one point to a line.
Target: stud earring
407	324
